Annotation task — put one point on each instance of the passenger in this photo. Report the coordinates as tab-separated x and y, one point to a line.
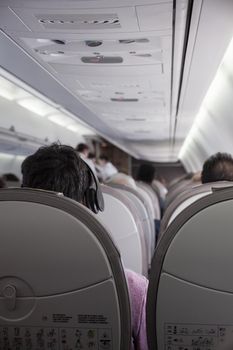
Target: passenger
92	158
146	173
59	168
11	180
218	167
10	177
107	168
84	151
2	183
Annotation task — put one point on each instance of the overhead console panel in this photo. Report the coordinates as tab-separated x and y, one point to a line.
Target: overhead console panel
124	68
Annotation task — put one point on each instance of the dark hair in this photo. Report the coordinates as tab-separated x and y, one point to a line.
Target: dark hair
146	173
91	155
81	147
2	183
104	157
57	168
10	177
218	167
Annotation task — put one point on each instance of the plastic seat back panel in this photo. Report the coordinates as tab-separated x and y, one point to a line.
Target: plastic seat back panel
190	297
123	229
62	285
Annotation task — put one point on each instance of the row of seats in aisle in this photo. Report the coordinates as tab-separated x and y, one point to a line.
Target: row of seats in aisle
57	281
187	196
130	216
138	209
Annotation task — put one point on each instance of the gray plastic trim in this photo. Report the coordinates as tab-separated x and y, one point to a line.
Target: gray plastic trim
217	196
77	210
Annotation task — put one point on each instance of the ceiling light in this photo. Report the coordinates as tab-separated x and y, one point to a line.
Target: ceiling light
11	91
20	158
6	156
211	98
60	119
81	129
35	105
43	41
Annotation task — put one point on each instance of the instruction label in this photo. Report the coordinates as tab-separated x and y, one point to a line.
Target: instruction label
55	338
196	336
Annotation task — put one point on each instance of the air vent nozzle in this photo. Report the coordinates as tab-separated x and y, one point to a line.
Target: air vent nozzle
58	41
93	43
79	21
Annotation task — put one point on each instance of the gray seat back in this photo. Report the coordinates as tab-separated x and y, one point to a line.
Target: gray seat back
62	285
177	190
154	199
186	198
143	216
190	296
14	184
120	217
151	219
160	188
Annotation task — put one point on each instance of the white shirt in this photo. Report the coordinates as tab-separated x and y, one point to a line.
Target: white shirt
108	170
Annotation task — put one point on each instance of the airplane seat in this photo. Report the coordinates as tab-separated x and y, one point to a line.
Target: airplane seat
62	284
156	210
176	190
13	184
154	199
147	201
120	217
160	188
11	180
186	198
143	216
190	295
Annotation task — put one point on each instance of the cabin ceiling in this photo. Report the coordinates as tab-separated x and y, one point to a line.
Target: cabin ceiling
121	66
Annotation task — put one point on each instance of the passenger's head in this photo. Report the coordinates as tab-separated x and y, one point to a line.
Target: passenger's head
10	177
103	159
92	156
2	183
57	168
218	167
83	148
11	180
146	173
